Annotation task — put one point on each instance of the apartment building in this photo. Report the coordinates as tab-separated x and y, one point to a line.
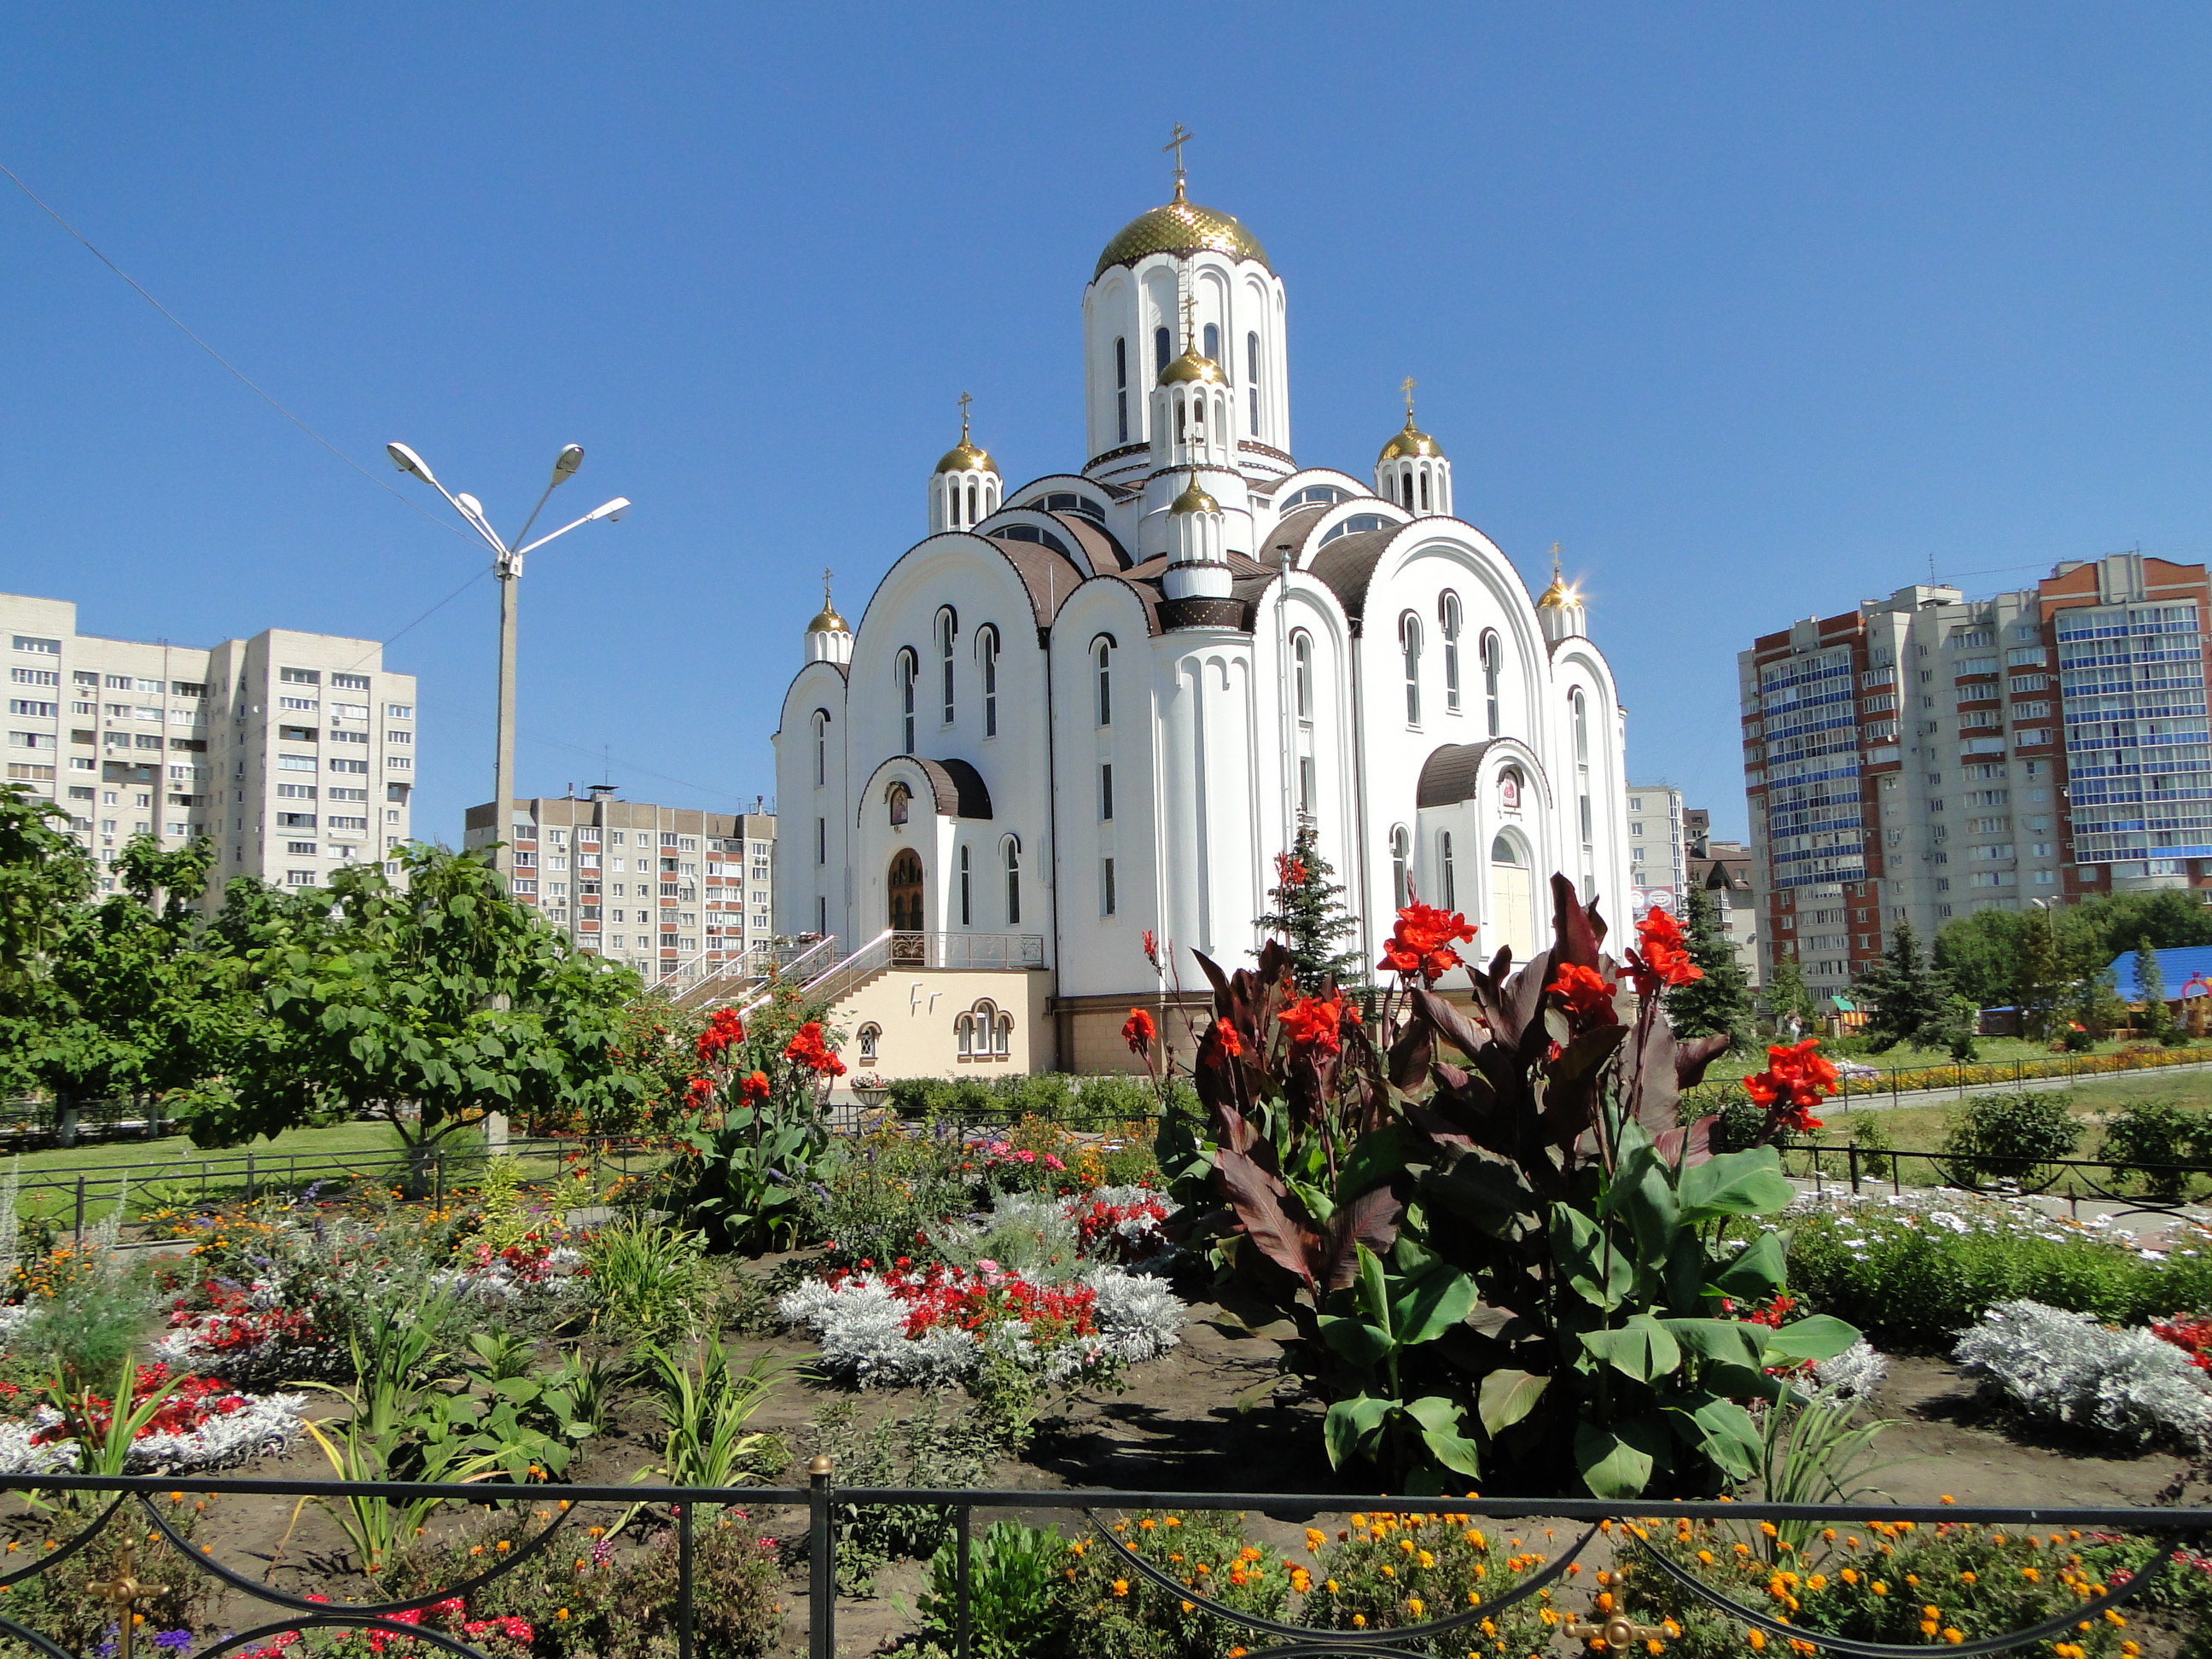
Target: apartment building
1927	755
294	753
1655	840
664	888
1723	869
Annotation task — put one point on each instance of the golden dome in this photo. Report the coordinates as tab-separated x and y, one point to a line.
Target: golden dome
827	623
1558	594
1409	444
1194	500
1192	367
964	456
1181	227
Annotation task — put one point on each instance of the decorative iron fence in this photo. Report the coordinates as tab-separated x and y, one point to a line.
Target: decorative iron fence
2129	1187
145	1511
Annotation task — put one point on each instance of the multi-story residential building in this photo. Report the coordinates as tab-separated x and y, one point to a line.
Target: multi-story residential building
1655	832
294	753
1723	868
1927	755
671	891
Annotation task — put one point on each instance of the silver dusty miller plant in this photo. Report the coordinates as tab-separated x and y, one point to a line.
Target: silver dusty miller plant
2068	1368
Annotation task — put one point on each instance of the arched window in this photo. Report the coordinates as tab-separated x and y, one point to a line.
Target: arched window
1493	665
972	514
1102	655
1213	342
1182	421
1448	624
1401	874
900	800
1409	641
967	893
1163	345
1302	675
1581	714
1013	855
1424	492
1406	488
1122	389
947	628
821	747
987	653
1002	1036
908	670
1444	859
1252	379
963	1036
1509	789
869	1037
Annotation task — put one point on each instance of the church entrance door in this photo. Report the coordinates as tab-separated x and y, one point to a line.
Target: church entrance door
1512	899
906	905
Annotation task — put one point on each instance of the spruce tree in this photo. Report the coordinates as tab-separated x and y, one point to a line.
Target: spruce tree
2040	975
1905	999
2155	1022
1789	997
1310	916
1719	1003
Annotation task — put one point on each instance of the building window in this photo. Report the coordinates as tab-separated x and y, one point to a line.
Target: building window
967	895
1493	651
1444	856
900	800
1302	675
946	629
1102	658
1409	641
1107	897
1163	345
821	747
987	652
1106	793
1401	877
1122	389
1252	379
1213	338
1012	856
1448	624
1305	786
870	1038
908	672
821	840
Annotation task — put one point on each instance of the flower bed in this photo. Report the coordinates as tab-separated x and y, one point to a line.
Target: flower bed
200	1426
2126	1385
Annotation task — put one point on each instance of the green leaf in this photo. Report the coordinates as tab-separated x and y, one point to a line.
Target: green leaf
1735	1183
1760	1268
1379	1158
1612	1463
1486	1194
1822	1336
1431	1305
1507	1397
1372	1289
1728	1340
1454	1451
1641	1195
1350	1423
1598	1273
1726	1433
1355	1339
1640	1348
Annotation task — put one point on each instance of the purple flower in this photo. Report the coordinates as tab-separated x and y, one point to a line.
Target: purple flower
173	1639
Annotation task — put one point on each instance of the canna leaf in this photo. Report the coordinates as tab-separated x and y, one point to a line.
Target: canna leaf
1507	1397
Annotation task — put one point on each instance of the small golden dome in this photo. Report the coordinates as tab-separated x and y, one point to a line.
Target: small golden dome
1194	500
1193	367
1558	594
1181	227
1408	445
827	623
964	456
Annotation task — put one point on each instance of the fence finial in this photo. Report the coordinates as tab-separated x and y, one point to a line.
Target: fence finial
820	1466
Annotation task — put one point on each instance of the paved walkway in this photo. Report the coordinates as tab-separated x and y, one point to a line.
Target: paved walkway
2004	1086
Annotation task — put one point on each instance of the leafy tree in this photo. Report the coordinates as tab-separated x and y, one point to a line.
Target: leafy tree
1905	998
1310	917
2041	975
43	877
2156	1021
1719	1003
431	1002
1789	997
1982	956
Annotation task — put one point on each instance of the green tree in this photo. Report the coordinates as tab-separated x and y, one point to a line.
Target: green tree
1310	916
432	1001
2156	1021
1982	955
2041	977
45	878
1905	999
1789	999
1719	1003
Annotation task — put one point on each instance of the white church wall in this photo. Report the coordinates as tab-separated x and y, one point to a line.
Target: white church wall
810	879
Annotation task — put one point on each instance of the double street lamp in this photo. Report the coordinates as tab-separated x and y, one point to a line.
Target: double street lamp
507	566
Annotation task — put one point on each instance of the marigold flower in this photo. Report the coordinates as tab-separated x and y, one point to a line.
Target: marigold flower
1121	1587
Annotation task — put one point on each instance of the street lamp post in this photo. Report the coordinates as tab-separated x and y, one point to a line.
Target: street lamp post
508	567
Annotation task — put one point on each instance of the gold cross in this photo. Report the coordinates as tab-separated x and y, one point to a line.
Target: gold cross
1176	143
1618	1634
1408	390
1189	322
123	1591
1555	561
964	401
825	587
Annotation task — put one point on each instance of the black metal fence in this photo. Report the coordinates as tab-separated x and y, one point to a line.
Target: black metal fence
1601	1533
2116	1187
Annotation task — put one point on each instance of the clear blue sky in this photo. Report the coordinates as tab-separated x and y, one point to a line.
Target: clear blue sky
1757	309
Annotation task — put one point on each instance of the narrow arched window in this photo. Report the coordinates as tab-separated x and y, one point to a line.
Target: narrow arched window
821	747
1401	875
1013	863
1302	675
1002	1036
987	653
972	514
1409	641
1493	667
946	629
1122	389
1252	378
1444	859
1580	710
967	894
909	670
1162	344
1213	342
1102	656
1424	492
1182	421
963	1032
1448	624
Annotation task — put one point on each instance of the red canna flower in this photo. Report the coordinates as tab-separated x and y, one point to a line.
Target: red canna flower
754	1087
724	1029
1421	944
1796	1080
809	1048
1151	950
1290	871
701	1087
1139	1031
1584	994
1316	1023
1231	1044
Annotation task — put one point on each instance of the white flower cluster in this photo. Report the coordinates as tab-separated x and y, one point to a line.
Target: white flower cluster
861	1326
2069	1369
1855	1373
1861	1219
265	1426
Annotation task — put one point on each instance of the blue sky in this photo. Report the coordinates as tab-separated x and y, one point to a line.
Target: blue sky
1758	310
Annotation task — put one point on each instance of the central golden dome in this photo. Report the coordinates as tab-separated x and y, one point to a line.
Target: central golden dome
1409	444
1181	227
1193	499
1193	367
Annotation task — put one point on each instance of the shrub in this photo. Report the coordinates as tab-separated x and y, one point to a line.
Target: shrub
1013	1570
2009	1137
648	1280
921	1449
1874	1144
2127	1385
2153	1132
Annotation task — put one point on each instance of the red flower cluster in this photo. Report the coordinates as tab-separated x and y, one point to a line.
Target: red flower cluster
754	1087
2190	1333
1318	1022
1103	1223
1422	942
191	1403
1583	992
1659	960
236	1324
1796	1080
1139	1031
954	1296
1290	871
701	1087
1231	1044
723	1030
809	1049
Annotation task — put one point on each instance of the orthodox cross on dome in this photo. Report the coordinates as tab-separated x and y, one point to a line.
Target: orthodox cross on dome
1408	388
826	588
1555	563
964	401
1189	321
1176	143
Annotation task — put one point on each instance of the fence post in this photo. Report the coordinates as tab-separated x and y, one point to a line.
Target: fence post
249	1178
438	1179
822	1565
683	1581
80	1211
1892	1085
960	1600
1852	1151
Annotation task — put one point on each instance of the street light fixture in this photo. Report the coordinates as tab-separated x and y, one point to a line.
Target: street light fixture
508	567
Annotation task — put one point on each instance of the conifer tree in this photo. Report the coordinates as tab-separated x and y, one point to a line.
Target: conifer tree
1789	999
1310	918
2040	973
1905	999
2156	1020
1719	1003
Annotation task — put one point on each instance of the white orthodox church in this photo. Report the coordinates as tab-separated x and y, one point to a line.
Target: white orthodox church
1093	706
